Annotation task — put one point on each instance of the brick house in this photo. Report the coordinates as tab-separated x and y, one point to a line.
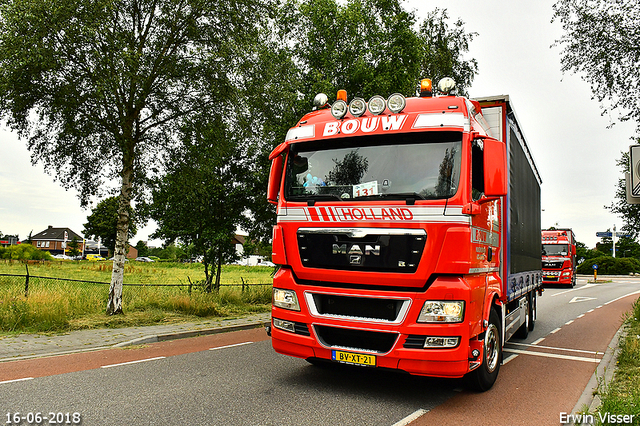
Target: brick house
53	240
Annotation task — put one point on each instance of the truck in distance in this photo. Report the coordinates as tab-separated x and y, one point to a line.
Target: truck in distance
559	257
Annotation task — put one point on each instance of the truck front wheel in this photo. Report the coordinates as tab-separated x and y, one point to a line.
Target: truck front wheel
482	378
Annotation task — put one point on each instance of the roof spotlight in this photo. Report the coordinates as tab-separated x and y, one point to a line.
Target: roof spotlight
320	100
357	107
396	103
377	105
446	85
339	109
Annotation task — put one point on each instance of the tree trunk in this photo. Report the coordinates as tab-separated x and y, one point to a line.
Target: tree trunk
218	272
114	305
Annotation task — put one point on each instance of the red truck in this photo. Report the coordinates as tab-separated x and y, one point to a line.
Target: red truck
407	233
559	257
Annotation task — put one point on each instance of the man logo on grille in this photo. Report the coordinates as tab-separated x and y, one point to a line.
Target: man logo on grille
356	252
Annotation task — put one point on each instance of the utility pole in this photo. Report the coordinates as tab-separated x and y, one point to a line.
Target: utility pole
614	240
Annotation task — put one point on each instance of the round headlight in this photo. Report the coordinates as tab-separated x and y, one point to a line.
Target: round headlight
396	103
357	107
339	109
377	105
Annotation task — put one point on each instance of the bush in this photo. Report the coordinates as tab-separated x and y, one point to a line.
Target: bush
24	252
608	265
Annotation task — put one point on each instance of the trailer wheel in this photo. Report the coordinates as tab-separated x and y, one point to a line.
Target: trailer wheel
482	378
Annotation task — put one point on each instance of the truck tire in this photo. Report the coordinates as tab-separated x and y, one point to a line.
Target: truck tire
482	378
523	331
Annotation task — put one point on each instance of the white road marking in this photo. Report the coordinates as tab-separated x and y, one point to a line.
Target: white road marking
622	297
579	299
538	341
230	346
580	316
568	322
509	358
132	362
546	355
575	289
411	417
556	349
555	331
16	380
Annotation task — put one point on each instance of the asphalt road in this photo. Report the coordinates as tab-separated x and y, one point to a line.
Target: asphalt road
237	378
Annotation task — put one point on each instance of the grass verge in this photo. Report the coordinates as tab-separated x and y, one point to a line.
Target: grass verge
54	306
622	395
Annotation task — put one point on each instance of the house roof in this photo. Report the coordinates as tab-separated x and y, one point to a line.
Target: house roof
56	234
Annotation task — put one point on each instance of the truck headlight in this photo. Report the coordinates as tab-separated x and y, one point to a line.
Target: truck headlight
286	299
442	311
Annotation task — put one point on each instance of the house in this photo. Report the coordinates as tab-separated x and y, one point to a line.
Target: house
56	240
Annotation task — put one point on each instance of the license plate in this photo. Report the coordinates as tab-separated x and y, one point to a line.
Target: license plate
355	359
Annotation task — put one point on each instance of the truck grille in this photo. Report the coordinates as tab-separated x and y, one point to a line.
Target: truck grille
362	249
346	338
552	265
363	308
414	342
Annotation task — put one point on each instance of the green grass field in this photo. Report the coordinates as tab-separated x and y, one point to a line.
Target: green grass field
58	306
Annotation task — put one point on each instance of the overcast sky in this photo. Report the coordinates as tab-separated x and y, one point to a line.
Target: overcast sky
573	147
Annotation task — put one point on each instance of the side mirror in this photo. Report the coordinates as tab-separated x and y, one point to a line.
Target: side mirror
275	177
495	168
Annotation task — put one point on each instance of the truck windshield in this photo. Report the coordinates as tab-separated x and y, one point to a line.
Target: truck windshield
423	165
555	249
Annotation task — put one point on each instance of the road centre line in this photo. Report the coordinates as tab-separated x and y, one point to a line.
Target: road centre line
16	380
555	349
411	417
230	346
132	362
546	355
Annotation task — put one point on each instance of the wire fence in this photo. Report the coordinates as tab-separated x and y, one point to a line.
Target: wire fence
28	281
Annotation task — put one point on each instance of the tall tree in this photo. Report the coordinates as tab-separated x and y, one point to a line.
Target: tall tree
201	200
103	222
367	47
99	87
630	213
601	42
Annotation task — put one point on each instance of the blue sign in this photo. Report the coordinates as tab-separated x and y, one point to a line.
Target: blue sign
595	267
604	234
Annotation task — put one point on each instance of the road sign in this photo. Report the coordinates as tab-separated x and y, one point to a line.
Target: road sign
604	234
634	155
595	267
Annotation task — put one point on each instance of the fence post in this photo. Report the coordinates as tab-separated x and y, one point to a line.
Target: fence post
242	284
190	284
26	282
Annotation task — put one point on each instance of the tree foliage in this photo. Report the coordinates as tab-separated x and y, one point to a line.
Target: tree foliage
367	47
201	200
630	213
103	220
99	87
602	44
